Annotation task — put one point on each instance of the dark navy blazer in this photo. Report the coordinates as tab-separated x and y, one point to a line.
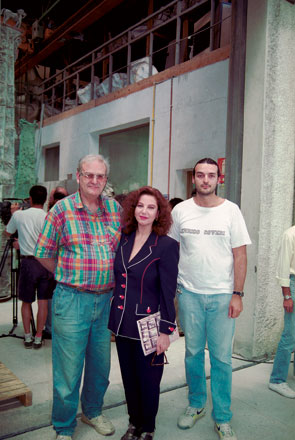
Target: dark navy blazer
144	285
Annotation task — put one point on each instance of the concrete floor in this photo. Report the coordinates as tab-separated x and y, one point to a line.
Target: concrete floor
258	412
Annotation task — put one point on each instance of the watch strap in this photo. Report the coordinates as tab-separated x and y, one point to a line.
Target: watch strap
241	294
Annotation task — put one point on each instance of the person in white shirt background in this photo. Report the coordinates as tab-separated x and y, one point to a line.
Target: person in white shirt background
286	277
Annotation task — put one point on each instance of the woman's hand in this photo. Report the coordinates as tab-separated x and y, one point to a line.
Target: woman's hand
163	343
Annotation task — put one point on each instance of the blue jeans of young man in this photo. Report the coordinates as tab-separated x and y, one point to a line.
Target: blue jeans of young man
205	317
79	333
286	345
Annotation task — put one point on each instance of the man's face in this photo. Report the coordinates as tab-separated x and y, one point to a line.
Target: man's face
92	179
206	178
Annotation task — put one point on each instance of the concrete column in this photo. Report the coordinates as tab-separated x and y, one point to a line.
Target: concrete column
268	167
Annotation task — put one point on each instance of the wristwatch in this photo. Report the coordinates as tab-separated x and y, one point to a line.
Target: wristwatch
241	294
287	297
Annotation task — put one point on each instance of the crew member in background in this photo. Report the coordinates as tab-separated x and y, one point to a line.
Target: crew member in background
286	278
33	276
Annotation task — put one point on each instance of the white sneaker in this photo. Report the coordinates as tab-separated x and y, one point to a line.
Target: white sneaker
189	417
283	389
63	437
101	424
225	431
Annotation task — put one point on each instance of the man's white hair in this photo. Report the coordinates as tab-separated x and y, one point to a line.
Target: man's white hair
91	158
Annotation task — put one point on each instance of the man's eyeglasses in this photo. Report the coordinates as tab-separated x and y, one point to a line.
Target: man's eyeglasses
154	363
91	176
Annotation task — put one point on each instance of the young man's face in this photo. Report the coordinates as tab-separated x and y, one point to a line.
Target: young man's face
205	178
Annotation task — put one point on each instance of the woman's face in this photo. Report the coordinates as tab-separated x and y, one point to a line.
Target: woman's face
146	210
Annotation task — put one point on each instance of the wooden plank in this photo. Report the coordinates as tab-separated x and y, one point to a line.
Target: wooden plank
202	21
11	386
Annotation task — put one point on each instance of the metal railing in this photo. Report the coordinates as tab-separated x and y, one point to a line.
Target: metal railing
95	71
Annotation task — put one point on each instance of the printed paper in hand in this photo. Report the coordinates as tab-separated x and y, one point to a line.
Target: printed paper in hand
148	329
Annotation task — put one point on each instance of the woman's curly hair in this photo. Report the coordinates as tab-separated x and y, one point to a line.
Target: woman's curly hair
164	220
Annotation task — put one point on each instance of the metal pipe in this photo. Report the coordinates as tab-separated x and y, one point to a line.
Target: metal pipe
153	134
48	10
170	137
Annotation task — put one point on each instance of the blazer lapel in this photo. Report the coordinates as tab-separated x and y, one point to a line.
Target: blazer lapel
145	252
126	248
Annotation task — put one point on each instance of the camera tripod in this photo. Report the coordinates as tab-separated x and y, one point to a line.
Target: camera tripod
14	275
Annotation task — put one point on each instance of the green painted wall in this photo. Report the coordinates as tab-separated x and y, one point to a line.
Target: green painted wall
127	152
26	174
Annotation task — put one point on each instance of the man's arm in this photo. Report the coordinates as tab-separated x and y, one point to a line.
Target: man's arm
240	270
288	304
286	255
48	263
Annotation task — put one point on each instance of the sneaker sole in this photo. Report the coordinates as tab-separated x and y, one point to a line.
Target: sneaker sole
199	416
84	420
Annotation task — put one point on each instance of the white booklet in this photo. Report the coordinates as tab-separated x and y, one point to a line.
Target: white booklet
148	328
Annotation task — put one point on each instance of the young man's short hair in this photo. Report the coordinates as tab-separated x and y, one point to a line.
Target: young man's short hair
38	194
210	162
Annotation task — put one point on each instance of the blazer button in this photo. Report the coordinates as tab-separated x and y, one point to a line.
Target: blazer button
121	296
120	307
123	286
124	275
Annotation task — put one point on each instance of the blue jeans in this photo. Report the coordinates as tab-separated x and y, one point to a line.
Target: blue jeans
79	333
49	317
205	317
286	345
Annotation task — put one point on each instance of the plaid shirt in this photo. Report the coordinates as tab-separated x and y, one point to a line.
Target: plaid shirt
84	244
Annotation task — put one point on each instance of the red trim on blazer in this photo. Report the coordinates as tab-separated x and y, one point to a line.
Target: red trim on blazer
141	288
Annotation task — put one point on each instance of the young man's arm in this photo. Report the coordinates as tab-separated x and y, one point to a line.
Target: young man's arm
240	270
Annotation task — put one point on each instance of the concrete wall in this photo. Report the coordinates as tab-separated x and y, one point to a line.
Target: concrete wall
199	103
268	167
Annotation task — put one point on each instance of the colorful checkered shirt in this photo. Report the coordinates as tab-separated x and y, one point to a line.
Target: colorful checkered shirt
84	244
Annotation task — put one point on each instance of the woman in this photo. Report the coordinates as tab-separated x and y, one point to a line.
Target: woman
145	274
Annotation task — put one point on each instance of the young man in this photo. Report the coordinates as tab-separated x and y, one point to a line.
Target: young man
78	243
33	276
286	278
212	271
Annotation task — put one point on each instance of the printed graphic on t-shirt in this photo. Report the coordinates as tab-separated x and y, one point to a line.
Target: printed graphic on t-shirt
205	232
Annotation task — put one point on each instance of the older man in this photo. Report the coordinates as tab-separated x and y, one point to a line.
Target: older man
78	243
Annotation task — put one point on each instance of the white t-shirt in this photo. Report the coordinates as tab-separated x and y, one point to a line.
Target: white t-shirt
207	237
286	257
29	224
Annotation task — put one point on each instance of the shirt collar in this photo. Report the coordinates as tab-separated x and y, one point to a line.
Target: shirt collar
79	204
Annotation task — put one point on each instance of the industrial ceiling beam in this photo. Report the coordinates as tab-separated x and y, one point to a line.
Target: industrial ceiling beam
83	18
